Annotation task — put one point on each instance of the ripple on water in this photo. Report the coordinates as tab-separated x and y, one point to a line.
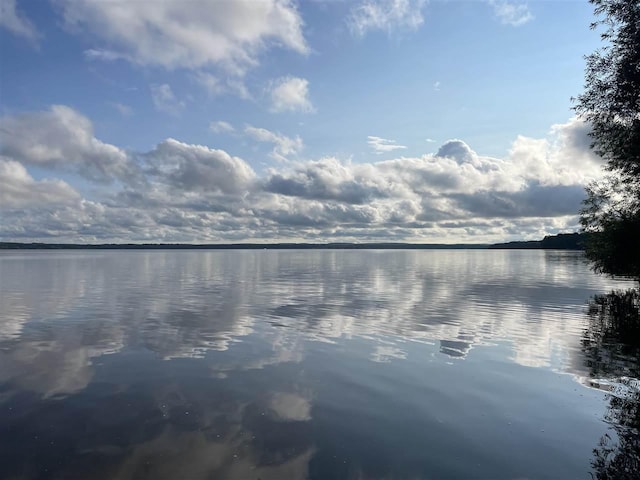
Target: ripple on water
313	364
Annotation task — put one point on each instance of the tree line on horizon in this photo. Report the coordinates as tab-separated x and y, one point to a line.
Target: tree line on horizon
561	241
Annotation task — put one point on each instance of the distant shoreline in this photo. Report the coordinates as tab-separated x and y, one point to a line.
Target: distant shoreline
567	241
241	246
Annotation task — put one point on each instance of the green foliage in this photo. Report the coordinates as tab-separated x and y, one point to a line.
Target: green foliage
611	105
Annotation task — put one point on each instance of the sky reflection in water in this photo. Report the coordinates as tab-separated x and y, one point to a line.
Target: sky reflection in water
298	364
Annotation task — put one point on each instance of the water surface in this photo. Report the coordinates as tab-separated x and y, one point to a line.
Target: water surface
302	364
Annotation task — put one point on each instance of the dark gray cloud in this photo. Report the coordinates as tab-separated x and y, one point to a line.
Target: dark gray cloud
196	167
311	184
534	201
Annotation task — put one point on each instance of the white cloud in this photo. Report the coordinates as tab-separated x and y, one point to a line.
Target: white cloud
221	127
386	15
178	34
511	13
19	190
436	86
290	94
62	138
382	145
429	140
562	158
283	146
165	100
14	21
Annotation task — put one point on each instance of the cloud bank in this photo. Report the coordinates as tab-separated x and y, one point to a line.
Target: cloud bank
180	192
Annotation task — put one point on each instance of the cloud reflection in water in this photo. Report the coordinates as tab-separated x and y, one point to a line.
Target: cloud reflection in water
229	363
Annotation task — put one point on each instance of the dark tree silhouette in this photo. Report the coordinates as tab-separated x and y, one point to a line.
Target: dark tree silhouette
611	105
612	352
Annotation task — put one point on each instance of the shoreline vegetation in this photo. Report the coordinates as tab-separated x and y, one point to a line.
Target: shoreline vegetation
563	241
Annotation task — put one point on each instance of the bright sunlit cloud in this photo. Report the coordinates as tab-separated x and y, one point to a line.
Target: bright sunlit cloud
382	145
177	34
290	94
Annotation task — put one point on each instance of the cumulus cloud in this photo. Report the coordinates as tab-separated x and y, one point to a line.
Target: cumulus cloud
511	13
383	145
455	185
177	34
458	151
283	146
572	139
290	94
386	15
165	100
14	21
62	138
196	193
326	179
196	167
563	158
19	190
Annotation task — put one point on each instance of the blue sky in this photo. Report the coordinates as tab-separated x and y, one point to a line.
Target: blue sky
271	120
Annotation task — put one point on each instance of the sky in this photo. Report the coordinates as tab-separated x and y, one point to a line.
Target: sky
216	121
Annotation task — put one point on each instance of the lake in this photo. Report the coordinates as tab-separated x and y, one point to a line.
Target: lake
320	364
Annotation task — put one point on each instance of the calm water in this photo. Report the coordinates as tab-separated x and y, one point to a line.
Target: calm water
304	364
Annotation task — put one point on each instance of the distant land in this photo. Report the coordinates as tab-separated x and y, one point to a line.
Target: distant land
563	241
